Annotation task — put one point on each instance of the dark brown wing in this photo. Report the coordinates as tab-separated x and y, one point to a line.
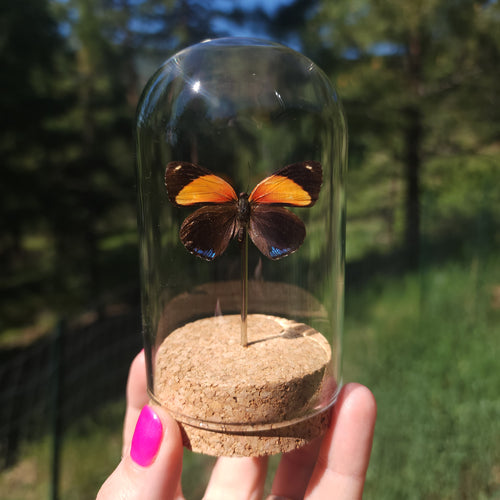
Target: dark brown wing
275	231
207	232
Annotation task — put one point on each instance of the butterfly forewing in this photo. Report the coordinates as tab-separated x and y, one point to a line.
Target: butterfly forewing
297	184
275	231
189	184
207	232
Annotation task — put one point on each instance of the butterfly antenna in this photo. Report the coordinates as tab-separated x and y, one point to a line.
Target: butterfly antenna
249	175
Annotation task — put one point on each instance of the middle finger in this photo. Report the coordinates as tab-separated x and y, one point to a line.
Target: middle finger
237	478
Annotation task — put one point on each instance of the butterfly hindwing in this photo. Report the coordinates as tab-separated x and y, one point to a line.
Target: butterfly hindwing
297	184
275	231
207	232
189	184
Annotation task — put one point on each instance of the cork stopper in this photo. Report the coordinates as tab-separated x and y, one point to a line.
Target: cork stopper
244	401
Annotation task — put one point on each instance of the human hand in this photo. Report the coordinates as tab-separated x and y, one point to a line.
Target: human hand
330	467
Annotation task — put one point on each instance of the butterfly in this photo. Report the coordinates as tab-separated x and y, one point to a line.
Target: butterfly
223	214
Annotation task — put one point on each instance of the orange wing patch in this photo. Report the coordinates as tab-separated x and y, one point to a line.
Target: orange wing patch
206	189
277	189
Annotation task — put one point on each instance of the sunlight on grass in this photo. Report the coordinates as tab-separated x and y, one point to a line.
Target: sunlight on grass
28	479
432	364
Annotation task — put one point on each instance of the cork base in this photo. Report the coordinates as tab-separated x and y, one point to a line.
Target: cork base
244	401
254	444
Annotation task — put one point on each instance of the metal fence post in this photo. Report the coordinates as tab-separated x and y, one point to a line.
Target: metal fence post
55	382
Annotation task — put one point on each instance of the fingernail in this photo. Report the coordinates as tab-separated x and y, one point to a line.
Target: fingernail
147	437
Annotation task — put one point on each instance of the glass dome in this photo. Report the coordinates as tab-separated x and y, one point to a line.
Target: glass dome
241	153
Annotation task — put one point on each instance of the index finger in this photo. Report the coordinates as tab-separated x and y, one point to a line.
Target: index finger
345	451
137	397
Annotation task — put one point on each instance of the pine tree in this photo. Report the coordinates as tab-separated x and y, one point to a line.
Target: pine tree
418	81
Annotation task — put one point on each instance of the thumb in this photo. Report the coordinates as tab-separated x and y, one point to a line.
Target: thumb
152	467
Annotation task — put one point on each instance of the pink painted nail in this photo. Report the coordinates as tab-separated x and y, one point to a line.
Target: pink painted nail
147	437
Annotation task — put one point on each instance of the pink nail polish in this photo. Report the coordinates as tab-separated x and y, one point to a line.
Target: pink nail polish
147	437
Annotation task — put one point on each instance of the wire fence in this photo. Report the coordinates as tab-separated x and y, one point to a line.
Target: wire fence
46	385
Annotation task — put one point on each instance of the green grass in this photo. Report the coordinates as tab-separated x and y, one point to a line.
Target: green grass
29	478
427	344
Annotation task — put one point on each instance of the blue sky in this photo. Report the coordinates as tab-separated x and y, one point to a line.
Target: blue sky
269	6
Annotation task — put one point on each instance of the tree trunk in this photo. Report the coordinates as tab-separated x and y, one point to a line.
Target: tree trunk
413	141
413	147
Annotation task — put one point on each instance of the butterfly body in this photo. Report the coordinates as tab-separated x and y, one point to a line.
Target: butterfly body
244	208
223	215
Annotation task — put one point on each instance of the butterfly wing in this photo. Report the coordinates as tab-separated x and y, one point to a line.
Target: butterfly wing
207	232
275	231
297	185
189	184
